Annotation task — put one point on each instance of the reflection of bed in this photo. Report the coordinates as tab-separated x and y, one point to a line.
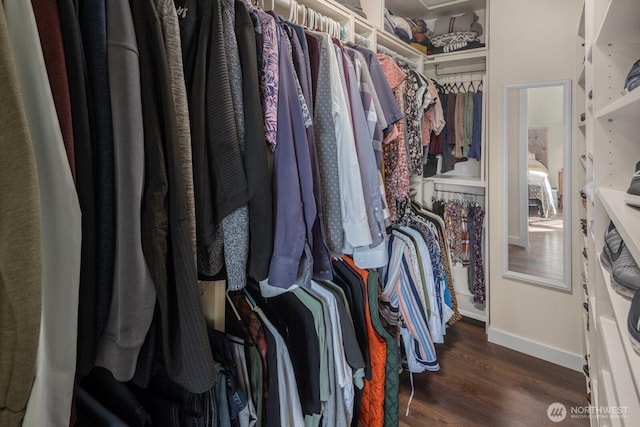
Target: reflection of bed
540	194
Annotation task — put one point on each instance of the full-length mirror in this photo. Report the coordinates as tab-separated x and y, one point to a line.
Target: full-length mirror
537	142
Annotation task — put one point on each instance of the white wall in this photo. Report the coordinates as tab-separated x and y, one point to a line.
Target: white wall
531	41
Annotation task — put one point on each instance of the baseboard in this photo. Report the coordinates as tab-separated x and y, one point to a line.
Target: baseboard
536	349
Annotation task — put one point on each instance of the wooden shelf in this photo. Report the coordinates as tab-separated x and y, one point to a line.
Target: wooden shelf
625	365
361	26
467	181
622	379
461	58
610	395
393	43
581	24
468	308
620	23
625	218
627	107
582	76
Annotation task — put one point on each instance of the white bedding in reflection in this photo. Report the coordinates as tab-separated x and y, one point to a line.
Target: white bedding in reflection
540	194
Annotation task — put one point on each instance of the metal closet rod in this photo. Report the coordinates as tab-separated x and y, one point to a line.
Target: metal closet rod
459	192
480	70
436	189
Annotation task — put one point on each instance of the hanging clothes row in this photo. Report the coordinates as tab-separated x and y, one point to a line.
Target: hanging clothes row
336	364
197	140
410	138
463	216
461	137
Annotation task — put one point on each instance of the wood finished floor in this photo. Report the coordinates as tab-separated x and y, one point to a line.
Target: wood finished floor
483	384
543	257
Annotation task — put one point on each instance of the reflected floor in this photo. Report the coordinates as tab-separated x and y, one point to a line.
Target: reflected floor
543	258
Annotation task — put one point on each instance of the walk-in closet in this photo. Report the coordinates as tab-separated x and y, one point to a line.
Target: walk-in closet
305	213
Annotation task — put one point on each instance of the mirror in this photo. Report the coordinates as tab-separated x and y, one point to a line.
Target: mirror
537	147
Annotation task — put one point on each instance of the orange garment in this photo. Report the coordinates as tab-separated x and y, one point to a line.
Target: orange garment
372	404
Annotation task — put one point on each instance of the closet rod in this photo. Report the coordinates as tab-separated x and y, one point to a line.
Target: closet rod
450	78
480	70
437	190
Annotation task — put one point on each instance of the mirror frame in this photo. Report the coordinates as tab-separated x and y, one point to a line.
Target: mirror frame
566	283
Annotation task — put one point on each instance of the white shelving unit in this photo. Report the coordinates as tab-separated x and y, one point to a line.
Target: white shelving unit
611	129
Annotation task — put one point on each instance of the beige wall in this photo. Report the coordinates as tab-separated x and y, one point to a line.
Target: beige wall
531	41
513	149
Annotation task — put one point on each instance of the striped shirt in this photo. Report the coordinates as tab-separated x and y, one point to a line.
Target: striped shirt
401	303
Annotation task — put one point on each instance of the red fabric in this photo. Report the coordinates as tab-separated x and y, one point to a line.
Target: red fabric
48	22
372	405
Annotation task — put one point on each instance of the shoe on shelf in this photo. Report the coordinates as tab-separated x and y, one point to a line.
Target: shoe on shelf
612	247
633	77
634	187
625	273
633	197
633	322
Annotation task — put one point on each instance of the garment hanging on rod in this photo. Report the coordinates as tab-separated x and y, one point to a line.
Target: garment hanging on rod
464	221
224	139
461	138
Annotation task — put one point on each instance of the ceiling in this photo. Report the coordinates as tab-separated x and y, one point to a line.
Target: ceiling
428	9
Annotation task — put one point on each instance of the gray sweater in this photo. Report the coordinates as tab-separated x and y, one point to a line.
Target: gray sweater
133	298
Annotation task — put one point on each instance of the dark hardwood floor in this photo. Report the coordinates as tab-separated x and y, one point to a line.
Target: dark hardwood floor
543	257
483	384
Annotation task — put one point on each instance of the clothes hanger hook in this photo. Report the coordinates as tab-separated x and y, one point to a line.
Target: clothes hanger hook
292	8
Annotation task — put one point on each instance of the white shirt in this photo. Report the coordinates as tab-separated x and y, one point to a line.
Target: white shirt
354	215
50	400
343	372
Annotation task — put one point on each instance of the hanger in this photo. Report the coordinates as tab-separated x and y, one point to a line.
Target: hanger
471	86
480	85
252	302
303	20
293	7
242	343
233	307
310	18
